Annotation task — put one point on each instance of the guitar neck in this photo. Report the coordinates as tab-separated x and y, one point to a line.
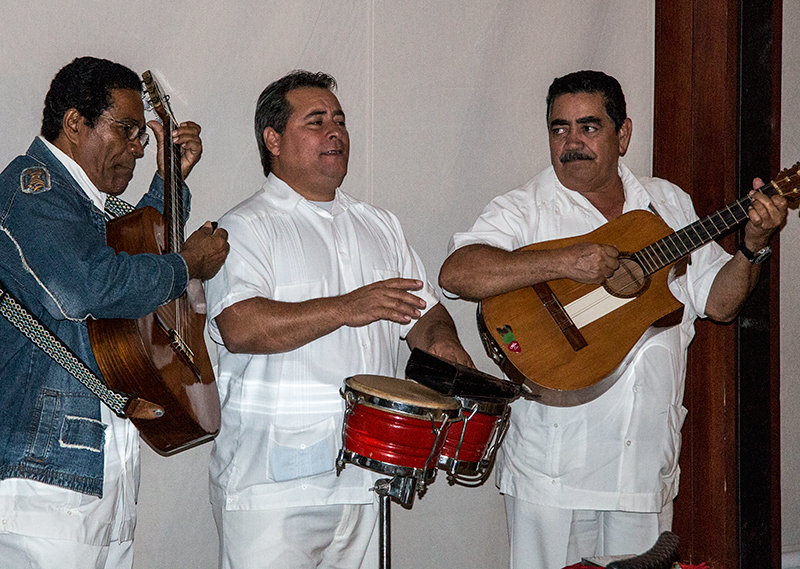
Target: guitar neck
673	247
174	218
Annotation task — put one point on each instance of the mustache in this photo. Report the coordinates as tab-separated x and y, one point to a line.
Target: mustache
572	155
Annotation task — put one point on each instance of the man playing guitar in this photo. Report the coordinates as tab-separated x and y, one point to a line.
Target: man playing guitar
598	478
69	466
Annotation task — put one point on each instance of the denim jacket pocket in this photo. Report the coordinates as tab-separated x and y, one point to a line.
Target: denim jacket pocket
62	423
299	453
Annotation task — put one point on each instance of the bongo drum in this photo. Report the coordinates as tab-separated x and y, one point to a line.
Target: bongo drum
394	426
469	450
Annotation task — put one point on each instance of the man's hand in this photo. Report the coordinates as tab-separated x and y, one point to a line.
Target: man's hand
738	277
382	300
436	334
589	263
451	351
260	325
205	251
766	215
187	137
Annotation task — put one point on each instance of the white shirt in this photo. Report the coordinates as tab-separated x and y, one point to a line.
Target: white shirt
282	414
619	451
35	509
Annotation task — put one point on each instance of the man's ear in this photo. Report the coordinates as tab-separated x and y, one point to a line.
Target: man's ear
624	136
71	125
272	140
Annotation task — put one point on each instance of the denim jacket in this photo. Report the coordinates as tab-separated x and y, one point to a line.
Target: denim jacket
54	259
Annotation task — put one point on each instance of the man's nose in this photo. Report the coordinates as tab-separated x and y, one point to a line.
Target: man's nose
573	139
336	131
138	148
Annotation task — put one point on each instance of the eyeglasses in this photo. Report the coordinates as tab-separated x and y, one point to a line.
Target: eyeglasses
132	131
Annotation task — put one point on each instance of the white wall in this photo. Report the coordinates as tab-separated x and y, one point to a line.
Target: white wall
790	287
445	106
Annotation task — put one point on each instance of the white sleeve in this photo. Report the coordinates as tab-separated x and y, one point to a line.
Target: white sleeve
412	268
502	224
247	271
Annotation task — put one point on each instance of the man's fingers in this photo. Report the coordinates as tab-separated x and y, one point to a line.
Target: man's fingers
400	283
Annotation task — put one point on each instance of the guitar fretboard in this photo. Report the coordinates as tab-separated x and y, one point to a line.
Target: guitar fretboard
679	244
174	217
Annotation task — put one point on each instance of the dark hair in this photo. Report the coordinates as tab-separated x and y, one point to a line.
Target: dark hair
84	84
273	109
591	82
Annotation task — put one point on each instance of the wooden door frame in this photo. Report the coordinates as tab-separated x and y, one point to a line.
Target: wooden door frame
716	79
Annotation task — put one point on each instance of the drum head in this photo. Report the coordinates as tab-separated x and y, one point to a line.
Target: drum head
400	391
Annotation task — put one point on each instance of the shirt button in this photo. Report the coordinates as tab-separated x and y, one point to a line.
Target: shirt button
627	443
555	425
552	482
303	447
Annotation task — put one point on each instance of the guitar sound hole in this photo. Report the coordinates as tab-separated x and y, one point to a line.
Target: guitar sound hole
628	281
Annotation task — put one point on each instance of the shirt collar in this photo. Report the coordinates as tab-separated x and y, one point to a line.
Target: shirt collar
636	196
280	195
98	198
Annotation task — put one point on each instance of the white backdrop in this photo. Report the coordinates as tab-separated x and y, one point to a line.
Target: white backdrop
790	287
445	107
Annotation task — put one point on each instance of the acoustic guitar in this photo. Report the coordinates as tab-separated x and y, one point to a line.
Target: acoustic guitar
568	342
161	357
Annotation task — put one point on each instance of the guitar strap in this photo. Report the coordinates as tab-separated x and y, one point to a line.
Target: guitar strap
122	404
116	207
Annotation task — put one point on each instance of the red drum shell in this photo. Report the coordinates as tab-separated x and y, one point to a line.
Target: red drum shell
395	426
394	439
480	427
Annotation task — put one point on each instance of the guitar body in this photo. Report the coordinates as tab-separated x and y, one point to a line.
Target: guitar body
543	359
138	356
566	342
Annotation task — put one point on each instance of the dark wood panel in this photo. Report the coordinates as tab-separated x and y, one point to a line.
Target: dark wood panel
729	502
758	416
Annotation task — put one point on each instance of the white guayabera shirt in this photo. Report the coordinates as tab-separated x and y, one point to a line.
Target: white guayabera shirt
619	451
282	414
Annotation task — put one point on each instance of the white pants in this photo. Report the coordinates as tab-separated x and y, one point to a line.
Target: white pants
551	538
330	537
24	552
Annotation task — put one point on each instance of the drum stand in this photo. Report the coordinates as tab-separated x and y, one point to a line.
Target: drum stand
402	490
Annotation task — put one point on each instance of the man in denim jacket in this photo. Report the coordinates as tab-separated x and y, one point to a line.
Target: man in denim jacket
69	466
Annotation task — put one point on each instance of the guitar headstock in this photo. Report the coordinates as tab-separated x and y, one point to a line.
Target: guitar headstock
158	101
787	182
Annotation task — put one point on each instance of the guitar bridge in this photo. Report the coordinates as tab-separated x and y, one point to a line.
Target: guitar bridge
562	319
180	346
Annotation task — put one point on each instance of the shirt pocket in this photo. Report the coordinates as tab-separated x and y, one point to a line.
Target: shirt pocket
676	415
551	445
384	274
303	452
566	448
300	292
